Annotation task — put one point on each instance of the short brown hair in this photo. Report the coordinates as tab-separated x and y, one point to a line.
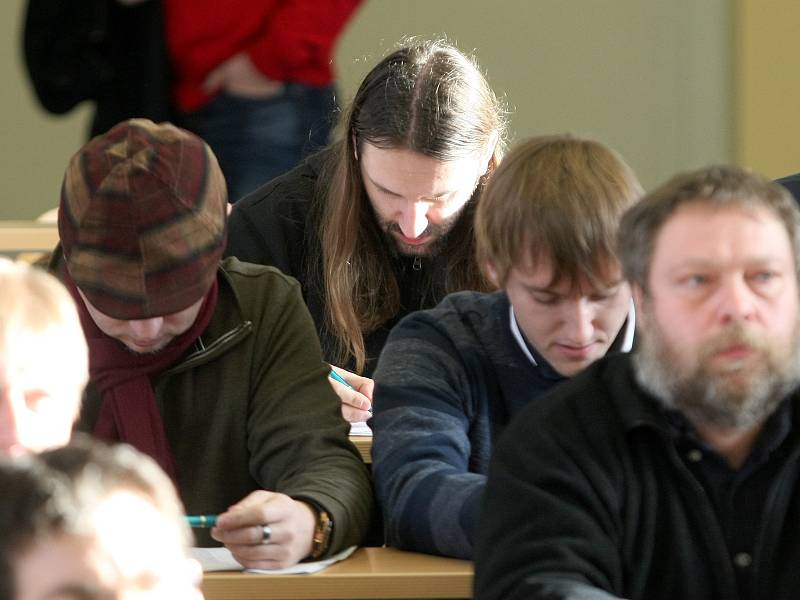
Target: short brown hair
555	197
717	186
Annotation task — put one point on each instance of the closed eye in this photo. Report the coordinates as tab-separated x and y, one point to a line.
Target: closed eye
603	296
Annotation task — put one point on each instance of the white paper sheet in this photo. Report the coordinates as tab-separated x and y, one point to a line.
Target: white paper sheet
360	429
221	559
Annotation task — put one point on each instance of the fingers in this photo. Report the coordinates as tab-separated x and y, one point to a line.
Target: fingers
355	406
285	547
291	523
356	399
269	557
263	556
354	415
250	535
351	397
256	509
363	385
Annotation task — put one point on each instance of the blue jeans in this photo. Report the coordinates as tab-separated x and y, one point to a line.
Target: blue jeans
255	139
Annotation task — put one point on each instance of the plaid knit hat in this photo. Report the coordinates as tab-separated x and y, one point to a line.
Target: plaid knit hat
142	219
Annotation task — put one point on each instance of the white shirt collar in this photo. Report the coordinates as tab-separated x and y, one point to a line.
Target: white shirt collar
518	335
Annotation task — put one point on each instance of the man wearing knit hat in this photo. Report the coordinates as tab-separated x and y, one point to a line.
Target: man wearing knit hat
213	368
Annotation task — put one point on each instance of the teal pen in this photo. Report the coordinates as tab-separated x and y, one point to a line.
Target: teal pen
336	377
202	521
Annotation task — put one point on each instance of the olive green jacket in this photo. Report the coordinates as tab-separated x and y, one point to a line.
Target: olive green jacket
250	407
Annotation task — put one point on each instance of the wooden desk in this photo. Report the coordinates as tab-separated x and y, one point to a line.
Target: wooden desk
364	445
19	236
370	573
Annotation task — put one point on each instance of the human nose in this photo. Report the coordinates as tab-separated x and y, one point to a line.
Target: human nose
578	321
146	329
414	219
736	301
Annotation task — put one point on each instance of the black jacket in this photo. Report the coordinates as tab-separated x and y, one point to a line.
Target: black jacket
588	498
791	183
101	51
278	225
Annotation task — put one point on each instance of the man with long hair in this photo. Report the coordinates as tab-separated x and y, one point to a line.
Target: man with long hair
670	472
380	223
450	378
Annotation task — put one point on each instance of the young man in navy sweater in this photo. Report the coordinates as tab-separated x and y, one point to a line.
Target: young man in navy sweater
450	378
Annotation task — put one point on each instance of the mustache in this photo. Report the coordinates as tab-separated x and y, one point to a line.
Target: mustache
735	334
394	227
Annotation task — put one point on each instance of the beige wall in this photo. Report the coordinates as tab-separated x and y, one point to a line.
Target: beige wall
650	78
768	88
35	145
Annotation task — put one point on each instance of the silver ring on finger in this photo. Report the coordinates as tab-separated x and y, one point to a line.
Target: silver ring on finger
266	534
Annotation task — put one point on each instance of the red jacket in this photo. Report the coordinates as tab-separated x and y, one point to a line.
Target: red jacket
288	40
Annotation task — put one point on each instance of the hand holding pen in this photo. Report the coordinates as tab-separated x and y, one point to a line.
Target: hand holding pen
267	530
355	392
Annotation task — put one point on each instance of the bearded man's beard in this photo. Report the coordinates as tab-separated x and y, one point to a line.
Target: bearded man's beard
735	395
438	233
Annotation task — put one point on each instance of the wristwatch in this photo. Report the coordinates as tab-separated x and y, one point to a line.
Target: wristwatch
322	535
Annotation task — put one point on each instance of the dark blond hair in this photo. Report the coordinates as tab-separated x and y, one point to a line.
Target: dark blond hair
716	186
558	198
426	97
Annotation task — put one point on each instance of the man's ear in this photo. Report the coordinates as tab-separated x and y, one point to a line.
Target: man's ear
491	273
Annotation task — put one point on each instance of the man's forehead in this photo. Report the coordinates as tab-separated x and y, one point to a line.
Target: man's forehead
702	231
697	212
395	169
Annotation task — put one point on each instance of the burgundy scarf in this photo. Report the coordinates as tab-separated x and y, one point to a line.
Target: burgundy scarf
128	412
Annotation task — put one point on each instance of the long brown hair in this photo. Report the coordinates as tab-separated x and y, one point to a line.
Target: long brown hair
427	97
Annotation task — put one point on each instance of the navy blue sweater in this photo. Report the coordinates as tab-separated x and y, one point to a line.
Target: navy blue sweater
447	383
